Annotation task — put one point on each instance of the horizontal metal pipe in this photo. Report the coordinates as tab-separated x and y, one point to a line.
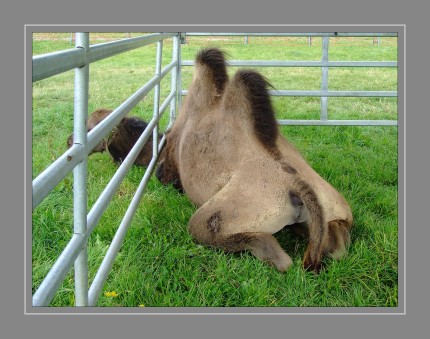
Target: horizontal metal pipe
281	63
287	93
291	34
50	177
334	93
113	250
338	122
50	64
108	49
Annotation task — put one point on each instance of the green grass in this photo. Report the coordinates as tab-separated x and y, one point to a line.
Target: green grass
159	264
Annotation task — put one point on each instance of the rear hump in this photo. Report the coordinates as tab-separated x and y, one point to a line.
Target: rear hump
255	90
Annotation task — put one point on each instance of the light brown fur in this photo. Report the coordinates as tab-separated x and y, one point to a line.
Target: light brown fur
226	153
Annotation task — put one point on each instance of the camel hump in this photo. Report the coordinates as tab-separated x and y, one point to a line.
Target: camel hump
254	89
215	61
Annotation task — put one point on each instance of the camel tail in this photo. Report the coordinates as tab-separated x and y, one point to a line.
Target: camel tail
318	230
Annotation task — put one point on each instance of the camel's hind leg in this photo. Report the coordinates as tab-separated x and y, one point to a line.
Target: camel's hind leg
212	223
338	239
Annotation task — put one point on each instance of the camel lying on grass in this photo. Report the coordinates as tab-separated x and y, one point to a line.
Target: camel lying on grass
226	153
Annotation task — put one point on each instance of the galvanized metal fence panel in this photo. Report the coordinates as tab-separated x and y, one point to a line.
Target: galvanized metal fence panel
76	157
325	64
52	175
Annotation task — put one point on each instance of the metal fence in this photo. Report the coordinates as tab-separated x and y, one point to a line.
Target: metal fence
324	93
75	159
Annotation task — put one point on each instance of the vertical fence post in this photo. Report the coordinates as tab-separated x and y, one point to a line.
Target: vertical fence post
176	78
324	79
157	98
80	172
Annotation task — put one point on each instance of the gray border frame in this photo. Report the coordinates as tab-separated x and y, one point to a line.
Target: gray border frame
414	14
401	309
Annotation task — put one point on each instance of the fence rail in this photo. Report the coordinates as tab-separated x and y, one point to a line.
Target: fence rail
75	158
282	63
298	34
47	65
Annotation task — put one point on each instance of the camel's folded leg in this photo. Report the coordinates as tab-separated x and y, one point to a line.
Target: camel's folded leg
214	224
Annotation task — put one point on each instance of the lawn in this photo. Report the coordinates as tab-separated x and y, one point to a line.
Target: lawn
159	264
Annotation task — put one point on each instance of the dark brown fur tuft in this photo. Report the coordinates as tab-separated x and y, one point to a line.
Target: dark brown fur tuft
125	136
214	222
214	59
287	168
167	171
317	228
263	115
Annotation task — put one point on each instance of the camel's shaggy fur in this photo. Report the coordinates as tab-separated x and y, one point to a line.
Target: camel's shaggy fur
122	138
226	152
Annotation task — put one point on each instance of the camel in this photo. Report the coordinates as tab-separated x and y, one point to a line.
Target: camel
248	181
121	139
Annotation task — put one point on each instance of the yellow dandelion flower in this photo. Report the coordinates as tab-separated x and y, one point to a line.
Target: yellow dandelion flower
141	305
112	294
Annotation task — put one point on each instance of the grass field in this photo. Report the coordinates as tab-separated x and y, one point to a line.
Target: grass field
159	264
